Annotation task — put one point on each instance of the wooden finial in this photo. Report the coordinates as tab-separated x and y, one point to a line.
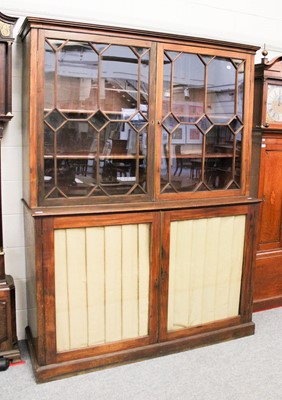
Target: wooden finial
264	53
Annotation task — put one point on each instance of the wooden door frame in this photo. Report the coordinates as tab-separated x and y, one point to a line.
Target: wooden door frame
246	292
51	355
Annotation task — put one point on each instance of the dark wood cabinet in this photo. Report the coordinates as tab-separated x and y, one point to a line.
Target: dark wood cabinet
140	228
268	160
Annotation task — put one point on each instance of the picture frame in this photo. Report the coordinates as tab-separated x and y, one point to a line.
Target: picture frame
179	135
193	135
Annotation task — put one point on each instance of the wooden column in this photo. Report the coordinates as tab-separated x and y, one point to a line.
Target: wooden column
8	337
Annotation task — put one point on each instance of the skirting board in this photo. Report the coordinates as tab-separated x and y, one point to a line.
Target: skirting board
266	304
77	366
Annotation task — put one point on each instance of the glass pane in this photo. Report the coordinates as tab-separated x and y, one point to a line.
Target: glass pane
72	177
221	90
170	122
75	177
241	83
122	176
48	140
76	138
56	43
238	143
144	82
188	155
99	120
76	115
100	47
204	124
92	147
56	194
123	159
49	181
166	85
165	158
119	79
219	158
188	87
172	54
138	121
236	125
49	77
77	77
181	166
55	119
206	59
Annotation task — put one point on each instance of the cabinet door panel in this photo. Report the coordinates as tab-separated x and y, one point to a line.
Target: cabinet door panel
103	276
271	192
203	271
104	279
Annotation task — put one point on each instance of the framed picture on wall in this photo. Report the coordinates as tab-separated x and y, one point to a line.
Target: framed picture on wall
179	135
193	135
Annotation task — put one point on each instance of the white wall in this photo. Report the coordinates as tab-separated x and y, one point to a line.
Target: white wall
254	22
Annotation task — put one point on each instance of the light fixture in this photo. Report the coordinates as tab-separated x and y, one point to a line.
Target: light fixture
167	93
186	92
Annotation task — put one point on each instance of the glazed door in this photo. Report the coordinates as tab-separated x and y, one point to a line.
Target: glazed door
202	120
96	100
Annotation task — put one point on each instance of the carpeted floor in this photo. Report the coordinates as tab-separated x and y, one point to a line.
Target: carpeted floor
244	369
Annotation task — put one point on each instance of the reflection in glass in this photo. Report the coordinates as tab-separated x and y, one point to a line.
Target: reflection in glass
119	78
166	85
170	122
95	140
144	81
77	76
172	55
188	87
72	177
238	144
49	77
98	120
138	121
236	125
49	181
76	138
181	160
76	115
48	140
202	123
221	90
55	119
241	83
219	158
